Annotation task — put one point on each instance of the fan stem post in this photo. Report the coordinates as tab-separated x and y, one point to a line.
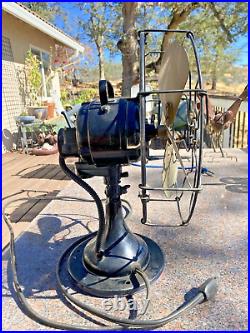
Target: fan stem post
142	37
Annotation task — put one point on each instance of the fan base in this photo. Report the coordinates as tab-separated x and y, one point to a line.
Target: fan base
104	286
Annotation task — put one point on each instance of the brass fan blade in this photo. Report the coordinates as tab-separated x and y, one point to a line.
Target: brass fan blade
173	75
170	170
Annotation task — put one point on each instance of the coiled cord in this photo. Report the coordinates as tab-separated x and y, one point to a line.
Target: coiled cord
128	323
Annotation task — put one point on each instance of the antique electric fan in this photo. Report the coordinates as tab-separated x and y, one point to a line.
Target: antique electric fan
113	132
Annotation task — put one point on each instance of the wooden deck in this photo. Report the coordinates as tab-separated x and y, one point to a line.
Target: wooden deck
22	173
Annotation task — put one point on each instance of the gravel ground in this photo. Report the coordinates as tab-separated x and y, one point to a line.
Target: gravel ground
214	244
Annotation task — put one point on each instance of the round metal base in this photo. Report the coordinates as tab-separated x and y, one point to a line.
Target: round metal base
104	286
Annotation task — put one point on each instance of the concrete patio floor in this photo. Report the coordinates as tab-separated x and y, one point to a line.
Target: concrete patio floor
214	244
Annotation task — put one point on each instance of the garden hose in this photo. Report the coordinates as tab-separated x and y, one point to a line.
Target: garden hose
204	170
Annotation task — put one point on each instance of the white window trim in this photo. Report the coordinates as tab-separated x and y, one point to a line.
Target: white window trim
40	49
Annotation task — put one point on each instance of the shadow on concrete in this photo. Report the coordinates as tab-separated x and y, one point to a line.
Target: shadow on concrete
37	257
235	184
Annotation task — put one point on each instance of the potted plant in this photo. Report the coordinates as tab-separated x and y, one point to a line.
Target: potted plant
30	83
34	85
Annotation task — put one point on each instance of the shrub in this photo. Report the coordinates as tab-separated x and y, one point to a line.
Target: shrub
33	76
64	96
86	96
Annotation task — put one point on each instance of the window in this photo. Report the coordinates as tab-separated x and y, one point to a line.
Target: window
44	58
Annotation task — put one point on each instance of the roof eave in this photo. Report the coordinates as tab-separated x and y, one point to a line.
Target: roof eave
27	17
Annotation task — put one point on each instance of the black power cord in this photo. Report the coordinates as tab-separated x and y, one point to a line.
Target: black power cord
95	197
205	292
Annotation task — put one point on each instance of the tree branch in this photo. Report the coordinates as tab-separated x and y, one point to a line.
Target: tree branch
177	18
219	17
223	120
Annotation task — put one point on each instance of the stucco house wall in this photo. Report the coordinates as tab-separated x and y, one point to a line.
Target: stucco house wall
22	36
17	38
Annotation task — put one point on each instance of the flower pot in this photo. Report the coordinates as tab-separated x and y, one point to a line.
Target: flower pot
51	110
40	112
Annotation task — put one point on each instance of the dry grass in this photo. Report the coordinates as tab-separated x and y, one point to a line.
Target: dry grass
224	89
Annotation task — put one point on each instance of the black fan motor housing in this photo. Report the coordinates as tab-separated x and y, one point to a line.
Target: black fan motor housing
109	134
105	134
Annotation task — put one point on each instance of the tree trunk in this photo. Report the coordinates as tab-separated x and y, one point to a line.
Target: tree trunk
101	62
214	73
214	82
129	73
128	47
